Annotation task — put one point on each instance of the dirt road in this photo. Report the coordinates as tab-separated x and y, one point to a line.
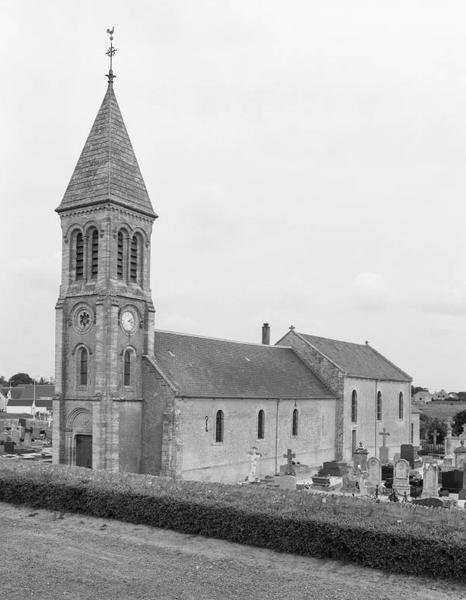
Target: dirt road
47	557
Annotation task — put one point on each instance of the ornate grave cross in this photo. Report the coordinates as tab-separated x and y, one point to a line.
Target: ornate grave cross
384	433
289	459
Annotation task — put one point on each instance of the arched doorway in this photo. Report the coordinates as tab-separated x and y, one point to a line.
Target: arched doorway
79	438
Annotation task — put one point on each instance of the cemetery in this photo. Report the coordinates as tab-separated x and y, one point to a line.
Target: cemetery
353	512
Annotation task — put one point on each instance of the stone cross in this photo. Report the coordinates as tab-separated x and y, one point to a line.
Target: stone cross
289	460
384	434
434	436
253	456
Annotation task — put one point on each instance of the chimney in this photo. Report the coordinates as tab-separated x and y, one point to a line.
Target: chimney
266	334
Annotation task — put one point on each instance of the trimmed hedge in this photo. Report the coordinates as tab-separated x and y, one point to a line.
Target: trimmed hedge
294	522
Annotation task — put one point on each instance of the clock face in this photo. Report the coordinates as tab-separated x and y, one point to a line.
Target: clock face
128	321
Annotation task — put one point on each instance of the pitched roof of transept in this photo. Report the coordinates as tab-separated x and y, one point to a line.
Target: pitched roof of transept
107	169
356	360
210	367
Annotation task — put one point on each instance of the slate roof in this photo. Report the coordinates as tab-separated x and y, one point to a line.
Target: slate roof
357	360
213	368
22	395
107	169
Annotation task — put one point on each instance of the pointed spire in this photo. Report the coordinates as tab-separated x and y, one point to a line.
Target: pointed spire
107	170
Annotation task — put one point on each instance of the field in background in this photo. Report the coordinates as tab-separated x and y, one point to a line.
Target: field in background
441	409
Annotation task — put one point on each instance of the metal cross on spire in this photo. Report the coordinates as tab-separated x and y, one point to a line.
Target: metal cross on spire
110	52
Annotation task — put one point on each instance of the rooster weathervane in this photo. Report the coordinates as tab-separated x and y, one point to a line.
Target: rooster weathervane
110	52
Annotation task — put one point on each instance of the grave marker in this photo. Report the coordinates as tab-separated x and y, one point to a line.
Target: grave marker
360	457
375	473
430	485
401	477
462	492
254	456
289	462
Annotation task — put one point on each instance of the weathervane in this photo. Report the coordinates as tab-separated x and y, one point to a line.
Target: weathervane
110	52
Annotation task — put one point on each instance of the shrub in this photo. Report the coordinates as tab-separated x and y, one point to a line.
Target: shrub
403	538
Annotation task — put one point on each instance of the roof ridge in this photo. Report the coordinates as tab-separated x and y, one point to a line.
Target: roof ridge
217	339
389	361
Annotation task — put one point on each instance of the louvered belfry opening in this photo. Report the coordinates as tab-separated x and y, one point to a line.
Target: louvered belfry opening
94	254
120	256
134	259
79	256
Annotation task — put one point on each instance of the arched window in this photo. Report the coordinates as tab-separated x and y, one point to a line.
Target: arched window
134	258
120	255
79	249
82	363
354	406
127	368
400	405
260	425
294	426
94	253
219	426
379	406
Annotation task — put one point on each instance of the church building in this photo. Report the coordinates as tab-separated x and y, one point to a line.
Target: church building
135	399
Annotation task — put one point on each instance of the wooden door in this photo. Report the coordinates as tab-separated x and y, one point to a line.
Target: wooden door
84	451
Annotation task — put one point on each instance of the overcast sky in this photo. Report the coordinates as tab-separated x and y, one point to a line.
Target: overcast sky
306	159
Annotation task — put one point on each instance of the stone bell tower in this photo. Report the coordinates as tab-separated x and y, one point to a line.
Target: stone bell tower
104	312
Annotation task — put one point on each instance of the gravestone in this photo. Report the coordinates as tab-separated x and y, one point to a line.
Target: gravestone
460	456
27	437
387	472
408	452
375	473
430	481
333	468
363	491
452	481
254	456
321	481
289	462
401	477
462	492
383	450
10	447
350	481
360	457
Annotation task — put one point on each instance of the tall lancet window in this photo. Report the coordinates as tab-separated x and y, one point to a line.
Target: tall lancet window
127	368
120	255
82	364
379	406
134	258
400	405
219	426
94	254
260	425
294	425
79	248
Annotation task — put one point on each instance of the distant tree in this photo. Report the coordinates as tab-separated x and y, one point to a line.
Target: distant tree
427	426
462	396
20	378
416	389
458	421
3	380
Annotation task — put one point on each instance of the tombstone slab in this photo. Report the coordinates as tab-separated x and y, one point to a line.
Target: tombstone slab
374	473
287	482
430	484
401	477
383	455
462	492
